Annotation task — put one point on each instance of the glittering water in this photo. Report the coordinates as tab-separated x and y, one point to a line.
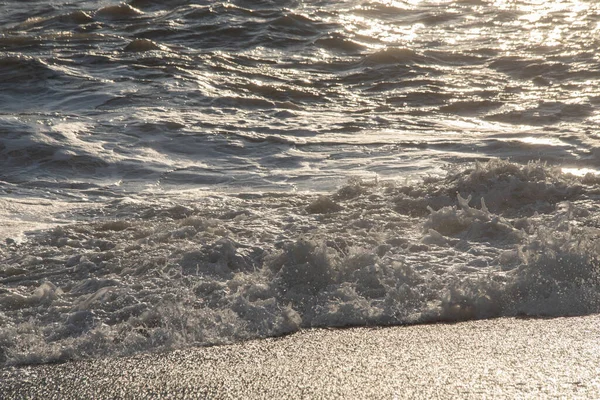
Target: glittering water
227	170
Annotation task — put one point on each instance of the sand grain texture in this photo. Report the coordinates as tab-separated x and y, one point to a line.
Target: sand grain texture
502	358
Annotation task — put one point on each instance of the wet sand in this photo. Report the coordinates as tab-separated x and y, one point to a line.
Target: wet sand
502	358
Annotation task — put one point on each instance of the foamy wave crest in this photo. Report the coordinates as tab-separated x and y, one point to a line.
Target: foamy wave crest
496	239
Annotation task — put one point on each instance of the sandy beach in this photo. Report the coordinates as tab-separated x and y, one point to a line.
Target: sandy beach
502	358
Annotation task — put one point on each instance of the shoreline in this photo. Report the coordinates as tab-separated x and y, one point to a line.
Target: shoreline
505	357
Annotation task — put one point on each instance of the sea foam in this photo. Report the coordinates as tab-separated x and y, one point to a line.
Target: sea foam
152	275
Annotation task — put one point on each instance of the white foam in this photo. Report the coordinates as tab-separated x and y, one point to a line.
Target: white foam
224	268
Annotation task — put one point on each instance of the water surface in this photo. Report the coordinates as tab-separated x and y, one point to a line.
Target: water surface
179	173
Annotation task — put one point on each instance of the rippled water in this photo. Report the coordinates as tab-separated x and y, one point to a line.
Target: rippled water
227	170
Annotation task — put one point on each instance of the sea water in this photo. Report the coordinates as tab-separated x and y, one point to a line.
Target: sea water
182	173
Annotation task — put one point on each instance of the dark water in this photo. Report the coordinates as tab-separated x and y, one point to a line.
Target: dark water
228	170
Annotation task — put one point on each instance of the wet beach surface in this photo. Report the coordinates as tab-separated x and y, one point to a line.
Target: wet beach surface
499	358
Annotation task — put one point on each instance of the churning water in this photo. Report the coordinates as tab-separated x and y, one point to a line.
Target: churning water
178	173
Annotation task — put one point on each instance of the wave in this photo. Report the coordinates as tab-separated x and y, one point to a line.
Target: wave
545	113
25	70
118	11
396	56
494	239
520	68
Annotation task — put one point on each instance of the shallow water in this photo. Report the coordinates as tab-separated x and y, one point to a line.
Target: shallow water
189	172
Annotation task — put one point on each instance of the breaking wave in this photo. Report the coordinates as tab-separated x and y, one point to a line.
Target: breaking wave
494	239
